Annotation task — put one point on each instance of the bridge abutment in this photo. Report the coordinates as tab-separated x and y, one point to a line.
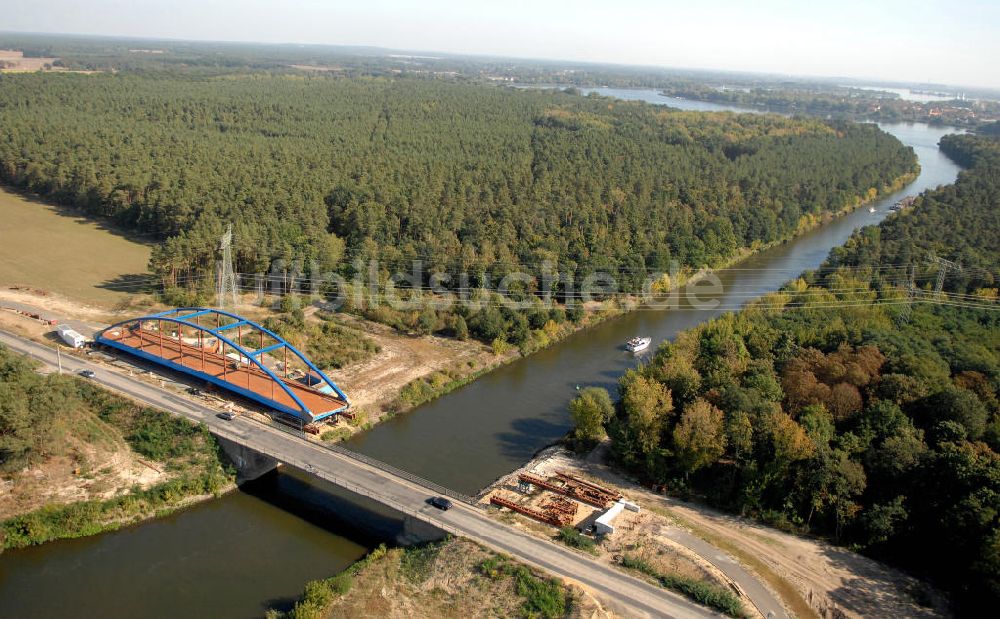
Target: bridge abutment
416	531
249	464
363	512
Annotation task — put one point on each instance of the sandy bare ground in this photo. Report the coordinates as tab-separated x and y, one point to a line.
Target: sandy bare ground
22	325
833	581
92	471
373	384
54	303
86	319
13	61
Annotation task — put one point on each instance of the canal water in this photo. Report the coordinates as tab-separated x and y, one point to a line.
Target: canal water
255	548
235	556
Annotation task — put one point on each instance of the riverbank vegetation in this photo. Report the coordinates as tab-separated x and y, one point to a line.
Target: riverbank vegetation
841	102
77	460
838	408
453	578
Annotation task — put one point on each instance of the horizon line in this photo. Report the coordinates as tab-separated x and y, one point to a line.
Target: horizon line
869	81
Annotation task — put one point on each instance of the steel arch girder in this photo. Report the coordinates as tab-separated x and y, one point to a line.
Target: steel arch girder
303	413
201	311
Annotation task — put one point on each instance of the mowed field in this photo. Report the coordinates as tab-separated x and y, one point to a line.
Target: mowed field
51	249
13	61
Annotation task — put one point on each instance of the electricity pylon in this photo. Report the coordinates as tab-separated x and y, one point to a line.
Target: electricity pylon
943	266
904	314
226	290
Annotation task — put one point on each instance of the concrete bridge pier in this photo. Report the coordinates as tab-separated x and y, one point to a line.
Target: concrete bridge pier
416	531
249	464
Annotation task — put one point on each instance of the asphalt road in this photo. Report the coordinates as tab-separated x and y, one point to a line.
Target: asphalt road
624	593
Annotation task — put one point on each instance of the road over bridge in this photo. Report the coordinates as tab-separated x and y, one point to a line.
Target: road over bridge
626	594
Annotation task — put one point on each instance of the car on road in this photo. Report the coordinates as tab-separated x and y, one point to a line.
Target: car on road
87	373
193	391
440	502
227	416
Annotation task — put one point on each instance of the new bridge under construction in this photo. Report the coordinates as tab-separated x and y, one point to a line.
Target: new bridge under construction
235	354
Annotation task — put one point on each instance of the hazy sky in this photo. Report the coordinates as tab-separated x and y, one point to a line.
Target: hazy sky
953	41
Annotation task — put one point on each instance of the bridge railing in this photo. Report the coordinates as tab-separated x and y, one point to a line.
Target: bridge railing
388	468
408	510
374	463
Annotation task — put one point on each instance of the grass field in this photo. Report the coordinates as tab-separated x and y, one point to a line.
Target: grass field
51	249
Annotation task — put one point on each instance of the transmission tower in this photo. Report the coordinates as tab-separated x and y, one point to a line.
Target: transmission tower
226	289
943	267
910	284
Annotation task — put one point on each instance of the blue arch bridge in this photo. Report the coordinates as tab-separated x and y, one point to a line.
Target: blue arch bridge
233	353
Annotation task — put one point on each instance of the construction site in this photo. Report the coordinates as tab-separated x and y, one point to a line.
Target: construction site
561	499
235	354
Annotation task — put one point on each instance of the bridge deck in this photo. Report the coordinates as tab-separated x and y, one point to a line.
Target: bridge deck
214	364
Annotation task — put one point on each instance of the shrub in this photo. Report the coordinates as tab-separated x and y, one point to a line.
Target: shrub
426	388
574	539
713	596
417	561
493	567
543	597
318	595
461	328
500	346
360	418
336	434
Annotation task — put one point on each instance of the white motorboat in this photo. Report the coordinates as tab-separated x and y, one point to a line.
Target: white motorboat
637	344
871	209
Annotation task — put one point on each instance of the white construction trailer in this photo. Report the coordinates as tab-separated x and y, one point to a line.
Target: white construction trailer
71	337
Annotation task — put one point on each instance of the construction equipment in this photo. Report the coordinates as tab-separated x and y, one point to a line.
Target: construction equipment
552	517
575	488
561	505
613	495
